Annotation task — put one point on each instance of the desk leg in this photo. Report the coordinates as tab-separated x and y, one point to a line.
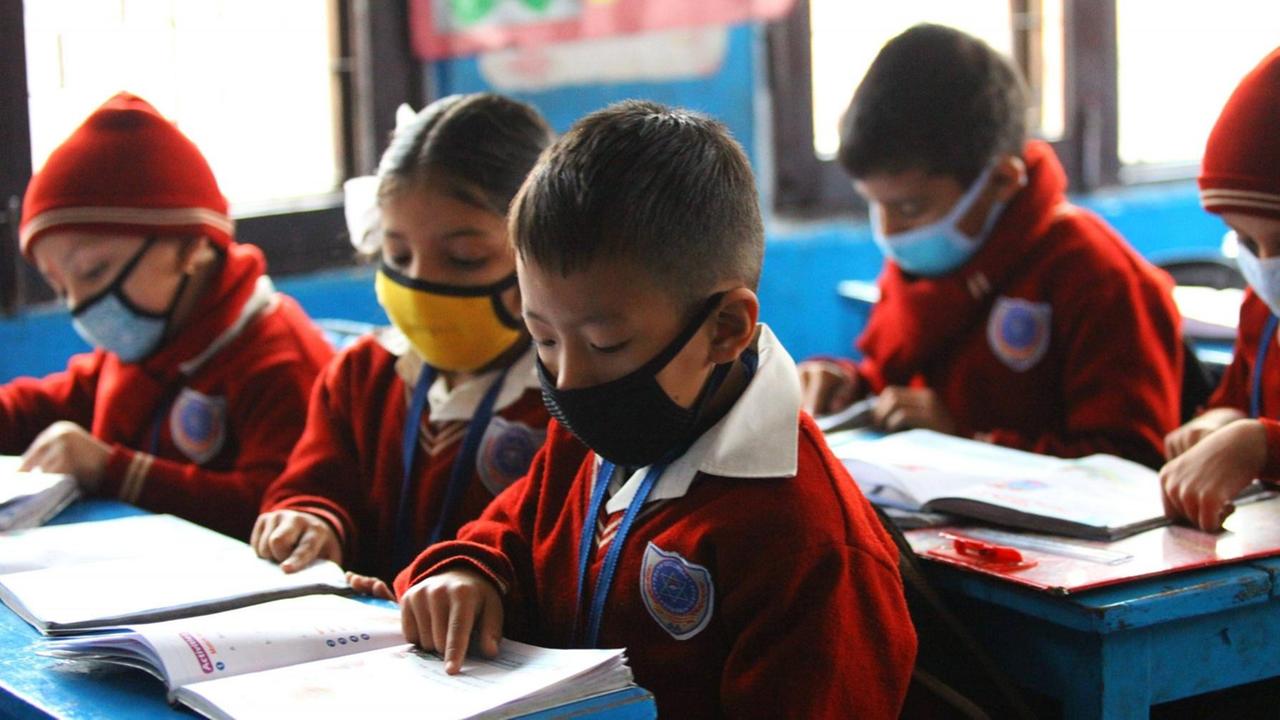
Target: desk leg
1115	684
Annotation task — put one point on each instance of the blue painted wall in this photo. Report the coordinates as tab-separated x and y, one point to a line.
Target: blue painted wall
803	262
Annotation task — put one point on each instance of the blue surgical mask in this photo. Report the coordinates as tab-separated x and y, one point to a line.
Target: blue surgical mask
111	321
939	247
1263	275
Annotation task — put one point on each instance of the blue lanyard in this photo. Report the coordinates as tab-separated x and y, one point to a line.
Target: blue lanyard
464	466
604	474
1255	394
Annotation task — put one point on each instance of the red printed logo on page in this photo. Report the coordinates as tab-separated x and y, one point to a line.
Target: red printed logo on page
202	657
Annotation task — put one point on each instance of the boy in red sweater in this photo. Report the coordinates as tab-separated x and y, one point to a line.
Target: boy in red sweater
1214	456
1006	313
411	432
194	394
683	506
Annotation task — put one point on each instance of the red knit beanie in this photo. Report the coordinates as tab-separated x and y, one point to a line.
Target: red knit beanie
126	168
1241	171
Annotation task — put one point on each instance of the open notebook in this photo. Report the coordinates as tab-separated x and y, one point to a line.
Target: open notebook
325	656
29	499
88	596
135	536
1099	497
81	576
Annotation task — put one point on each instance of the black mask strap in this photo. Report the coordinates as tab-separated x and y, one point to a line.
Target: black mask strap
118	283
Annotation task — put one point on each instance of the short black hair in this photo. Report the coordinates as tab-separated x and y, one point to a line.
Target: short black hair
667	189
482	145
936	99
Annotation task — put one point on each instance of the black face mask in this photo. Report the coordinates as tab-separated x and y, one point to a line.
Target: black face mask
632	421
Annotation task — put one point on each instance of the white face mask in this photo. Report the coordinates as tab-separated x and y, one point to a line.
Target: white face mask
1263	275
939	247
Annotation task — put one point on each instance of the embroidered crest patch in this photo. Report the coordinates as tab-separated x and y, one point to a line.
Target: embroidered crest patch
679	594
505	452
198	424
1018	331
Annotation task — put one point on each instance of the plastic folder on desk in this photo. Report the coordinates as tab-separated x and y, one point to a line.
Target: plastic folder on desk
1067	565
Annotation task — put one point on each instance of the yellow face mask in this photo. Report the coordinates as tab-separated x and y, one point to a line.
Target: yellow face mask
453	328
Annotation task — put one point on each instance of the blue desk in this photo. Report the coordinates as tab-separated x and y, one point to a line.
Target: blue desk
30	689
1113	652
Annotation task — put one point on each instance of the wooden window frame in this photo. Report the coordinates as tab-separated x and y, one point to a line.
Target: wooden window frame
374	70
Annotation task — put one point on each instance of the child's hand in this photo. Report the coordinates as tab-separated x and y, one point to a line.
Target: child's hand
902	408
825	387
1182	439
294	539
65	447
442	612
371	586
1200	484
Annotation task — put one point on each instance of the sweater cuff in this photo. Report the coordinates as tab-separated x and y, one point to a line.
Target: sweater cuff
125	474
442	556
1271	470
315	506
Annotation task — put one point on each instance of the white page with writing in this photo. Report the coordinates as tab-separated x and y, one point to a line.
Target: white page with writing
1100	490
396	682
248	639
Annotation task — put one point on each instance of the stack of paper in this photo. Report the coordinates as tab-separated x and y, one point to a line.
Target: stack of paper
30	499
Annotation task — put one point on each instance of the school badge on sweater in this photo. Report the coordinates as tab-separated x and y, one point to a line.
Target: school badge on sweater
198	425
506	450
1018	331
678	594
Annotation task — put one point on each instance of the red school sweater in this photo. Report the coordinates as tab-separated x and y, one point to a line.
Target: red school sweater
203	425
347	468
1056	337
1236	388
806	615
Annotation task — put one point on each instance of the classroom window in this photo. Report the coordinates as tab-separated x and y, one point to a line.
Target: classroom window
819	53
845	38
1177	64
251	83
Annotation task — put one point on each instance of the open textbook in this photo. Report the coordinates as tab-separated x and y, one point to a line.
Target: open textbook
1100	497
87	596
29	499
117	538
248	639
332	657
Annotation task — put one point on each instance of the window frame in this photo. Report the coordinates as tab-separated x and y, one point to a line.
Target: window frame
805	186
374	70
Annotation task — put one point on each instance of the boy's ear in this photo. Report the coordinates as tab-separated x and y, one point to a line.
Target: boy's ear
1009	175
735	325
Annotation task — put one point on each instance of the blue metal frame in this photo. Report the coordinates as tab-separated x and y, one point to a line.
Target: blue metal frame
1114	652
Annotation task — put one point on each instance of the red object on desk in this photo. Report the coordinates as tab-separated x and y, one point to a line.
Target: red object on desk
1252	532
978	554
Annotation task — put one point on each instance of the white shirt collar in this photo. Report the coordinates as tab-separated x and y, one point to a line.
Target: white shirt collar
757	438
460	403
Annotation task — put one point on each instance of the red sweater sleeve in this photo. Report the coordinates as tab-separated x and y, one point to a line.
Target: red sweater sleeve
322	472
264	415
1121	376
847	612
29	405
497	544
